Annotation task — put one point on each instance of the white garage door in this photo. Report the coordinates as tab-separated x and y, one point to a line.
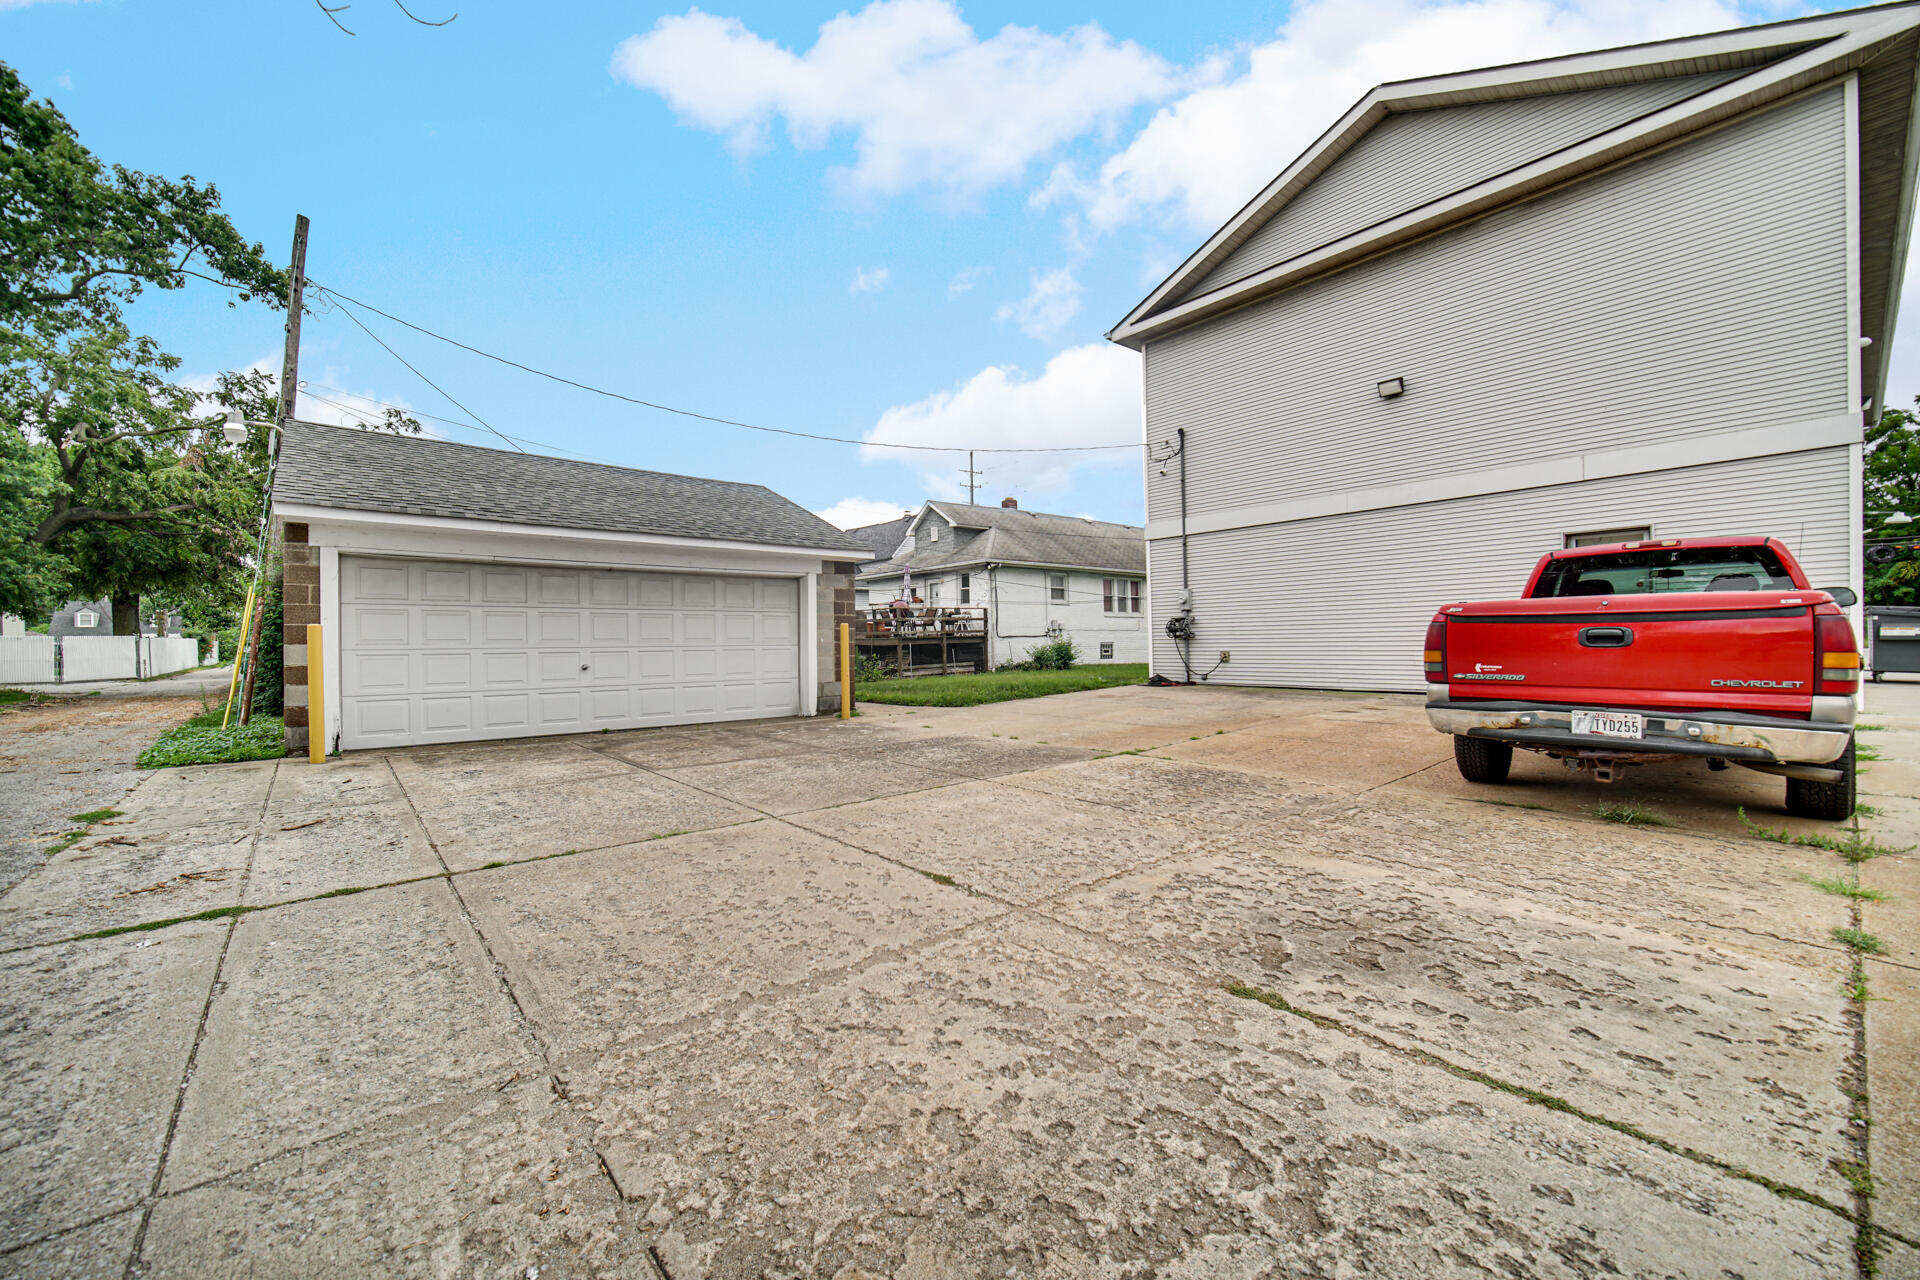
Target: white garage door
435	651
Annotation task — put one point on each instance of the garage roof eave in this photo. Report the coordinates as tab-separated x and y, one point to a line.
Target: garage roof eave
311	513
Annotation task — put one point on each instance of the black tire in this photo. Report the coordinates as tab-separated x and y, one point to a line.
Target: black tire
1829	801
1482	759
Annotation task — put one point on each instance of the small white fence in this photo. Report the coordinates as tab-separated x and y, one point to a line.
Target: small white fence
71	659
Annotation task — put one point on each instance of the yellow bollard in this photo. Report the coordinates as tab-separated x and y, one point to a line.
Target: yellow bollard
316	698
846	671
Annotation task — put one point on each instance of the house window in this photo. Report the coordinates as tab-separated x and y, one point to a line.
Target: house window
933	533
1057	587
1106	595
1598	536
966	588
1133	594
860	597
86	618
1106	648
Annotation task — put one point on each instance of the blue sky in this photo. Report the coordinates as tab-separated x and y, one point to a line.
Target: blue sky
908	221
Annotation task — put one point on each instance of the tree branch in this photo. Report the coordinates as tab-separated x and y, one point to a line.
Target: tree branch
63	519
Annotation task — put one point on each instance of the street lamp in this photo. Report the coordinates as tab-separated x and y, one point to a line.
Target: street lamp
1895	517
235	428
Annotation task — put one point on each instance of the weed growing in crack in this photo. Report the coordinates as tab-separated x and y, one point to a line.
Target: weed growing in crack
1843	888
1860	940
939	878
92	816
1631	815
1855	848
1861	751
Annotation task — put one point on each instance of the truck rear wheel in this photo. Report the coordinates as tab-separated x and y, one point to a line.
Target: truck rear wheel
1482	759
1831	801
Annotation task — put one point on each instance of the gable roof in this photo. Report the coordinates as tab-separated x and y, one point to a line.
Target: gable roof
881	539
352	470
1012	536
1635	99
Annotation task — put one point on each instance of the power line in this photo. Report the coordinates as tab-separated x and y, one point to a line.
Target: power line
685	413
306	390
423	377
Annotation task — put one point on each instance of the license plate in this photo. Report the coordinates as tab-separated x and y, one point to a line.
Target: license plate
1610	724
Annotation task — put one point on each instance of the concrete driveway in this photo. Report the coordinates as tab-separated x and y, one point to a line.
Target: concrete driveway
1185	982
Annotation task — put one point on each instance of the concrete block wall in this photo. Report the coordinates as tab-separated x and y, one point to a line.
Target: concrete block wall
301	565
835	606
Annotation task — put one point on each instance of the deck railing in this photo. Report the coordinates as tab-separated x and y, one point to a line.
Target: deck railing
886	625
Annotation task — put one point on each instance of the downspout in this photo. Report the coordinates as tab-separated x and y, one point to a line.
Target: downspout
1186	588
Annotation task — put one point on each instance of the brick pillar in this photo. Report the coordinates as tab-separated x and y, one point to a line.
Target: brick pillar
835	606
301	604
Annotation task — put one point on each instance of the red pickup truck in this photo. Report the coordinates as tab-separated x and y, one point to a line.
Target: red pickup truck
1642	651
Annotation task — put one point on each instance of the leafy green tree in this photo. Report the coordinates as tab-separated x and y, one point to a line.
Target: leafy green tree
1892	484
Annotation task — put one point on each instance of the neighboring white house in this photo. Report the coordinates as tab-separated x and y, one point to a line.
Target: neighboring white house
1646	292
1040	577
468	593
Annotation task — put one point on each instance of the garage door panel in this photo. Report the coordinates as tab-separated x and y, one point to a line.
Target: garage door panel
503	626
443	652
450	585
503	586
446	670
446	626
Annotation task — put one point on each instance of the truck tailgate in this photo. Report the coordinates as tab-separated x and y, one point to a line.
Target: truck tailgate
1748	651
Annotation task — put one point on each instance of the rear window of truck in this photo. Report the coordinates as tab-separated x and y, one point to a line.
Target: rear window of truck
1662	569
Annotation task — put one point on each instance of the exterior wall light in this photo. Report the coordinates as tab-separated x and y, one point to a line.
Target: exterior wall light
1391	388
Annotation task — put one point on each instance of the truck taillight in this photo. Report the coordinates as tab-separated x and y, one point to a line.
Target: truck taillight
1436	655
1836	653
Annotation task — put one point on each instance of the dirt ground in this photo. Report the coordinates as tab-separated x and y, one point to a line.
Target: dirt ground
64	754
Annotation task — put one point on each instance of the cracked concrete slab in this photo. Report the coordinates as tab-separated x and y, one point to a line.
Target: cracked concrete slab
474	829
1350	749
1014	844
93	1043
304	787
127	875
1743	1057
1177	792
609	945
1893	1091
811	780
202	796
1020	1100
1745	895
490	1185
449	775
685	748
98	1251
312	851
971	757
335	1013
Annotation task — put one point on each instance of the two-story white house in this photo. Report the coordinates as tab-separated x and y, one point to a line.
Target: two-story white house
1040	577
1646	292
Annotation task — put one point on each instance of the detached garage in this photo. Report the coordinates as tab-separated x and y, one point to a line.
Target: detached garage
468	593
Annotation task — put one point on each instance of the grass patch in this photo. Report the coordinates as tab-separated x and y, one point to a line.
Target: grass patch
1845	888
996	686
201	740
64	843
1869	728
937	877
1860	940
1631	815
1861	751
92	816
1855	848
14	695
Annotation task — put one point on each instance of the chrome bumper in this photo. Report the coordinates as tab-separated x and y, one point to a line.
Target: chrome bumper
1751	738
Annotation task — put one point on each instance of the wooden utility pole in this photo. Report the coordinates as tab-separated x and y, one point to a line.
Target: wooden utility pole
296	298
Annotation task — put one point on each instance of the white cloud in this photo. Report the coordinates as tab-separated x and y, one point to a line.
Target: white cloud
927	101
23	4
963	281
1053	300
855	513
1203	156
868	280
1085	396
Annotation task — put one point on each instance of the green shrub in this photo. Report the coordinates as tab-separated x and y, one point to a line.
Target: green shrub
1055	655
867	668
268	690
201	740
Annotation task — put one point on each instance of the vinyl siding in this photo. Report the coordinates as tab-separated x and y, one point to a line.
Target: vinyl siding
1415	157
1701	289
1343	601
1020	610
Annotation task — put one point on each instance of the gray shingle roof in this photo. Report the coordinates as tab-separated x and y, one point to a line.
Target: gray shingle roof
355	470
1024	537
881	539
